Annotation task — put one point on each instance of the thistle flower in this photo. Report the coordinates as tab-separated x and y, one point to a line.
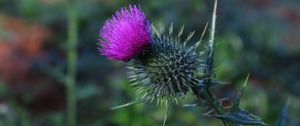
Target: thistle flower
161	65
125	35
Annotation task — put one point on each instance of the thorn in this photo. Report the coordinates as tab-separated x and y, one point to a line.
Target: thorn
208	113
190	105
161	28
127	104
176	101
214	82
171	29
203	33
189	50
203	52
244	85
188	38
155	30
236	104
180	32
166	115
224	99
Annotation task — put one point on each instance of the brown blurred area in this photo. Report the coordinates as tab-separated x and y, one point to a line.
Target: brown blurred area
22	44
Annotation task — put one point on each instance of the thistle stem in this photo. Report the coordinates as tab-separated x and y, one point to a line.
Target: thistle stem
72	58
206	93
211	44
212	101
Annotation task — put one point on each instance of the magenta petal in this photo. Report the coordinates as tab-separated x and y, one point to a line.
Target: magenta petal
126	35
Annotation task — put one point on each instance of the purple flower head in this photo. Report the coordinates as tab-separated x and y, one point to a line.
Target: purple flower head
126	35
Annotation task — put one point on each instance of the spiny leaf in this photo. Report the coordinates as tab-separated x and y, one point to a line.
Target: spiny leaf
240	117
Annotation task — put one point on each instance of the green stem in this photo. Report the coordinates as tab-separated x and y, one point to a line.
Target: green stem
211	44
72	59
211	100
214	104
209	97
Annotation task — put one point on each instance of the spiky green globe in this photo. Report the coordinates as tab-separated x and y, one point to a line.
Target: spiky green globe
167	70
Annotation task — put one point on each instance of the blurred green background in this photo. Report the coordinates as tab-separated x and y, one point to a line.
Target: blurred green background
257	36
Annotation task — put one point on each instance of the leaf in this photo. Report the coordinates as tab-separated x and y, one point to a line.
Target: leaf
240	117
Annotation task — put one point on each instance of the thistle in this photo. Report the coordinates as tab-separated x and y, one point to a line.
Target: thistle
164	68
160	65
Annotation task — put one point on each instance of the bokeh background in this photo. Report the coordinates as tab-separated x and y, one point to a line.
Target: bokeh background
260	37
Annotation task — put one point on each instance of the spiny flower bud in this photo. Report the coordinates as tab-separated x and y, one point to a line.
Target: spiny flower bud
125	35
167	71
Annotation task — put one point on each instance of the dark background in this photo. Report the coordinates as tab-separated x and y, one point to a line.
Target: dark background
260	37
